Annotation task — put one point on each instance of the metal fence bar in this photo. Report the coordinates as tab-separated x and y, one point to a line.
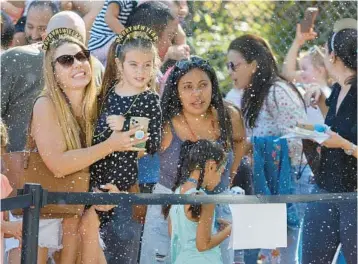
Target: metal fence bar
20	201
158	199
34	197
30	224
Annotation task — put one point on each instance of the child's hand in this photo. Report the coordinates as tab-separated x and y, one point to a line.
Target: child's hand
12	229
115	122
178	52
312	95
223	224
111	189
301	37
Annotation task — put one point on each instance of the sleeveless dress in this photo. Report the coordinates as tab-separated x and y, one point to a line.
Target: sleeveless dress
169	163
121	168
183	239
155	241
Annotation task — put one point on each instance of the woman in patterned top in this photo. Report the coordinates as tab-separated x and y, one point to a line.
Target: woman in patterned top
271	106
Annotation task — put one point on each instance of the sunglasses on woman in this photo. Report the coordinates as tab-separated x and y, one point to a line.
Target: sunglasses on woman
68	60
231	66
315	49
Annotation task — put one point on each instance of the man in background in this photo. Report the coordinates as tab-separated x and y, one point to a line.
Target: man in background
7	31
38	16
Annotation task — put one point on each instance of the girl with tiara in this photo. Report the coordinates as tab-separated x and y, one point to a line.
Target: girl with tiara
127	100
191	227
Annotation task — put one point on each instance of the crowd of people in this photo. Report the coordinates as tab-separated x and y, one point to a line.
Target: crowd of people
111	88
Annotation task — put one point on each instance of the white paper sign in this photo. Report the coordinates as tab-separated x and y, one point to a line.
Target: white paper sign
299	133
258	226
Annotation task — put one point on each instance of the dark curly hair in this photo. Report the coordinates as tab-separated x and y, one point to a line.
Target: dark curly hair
254	48
193	156
172	106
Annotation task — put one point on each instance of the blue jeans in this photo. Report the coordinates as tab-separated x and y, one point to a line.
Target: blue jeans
302	183
325	226
251	256
121	237
222	211
155	246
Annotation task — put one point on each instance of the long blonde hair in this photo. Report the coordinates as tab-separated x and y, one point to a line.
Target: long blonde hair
316	56
3	134
71	128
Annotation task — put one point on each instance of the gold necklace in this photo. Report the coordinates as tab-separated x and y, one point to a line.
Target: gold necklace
190	129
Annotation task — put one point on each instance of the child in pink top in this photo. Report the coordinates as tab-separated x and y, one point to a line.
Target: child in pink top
9	229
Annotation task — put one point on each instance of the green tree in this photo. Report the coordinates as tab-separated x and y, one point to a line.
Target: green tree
216	23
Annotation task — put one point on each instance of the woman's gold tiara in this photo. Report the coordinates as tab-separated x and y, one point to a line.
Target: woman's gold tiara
59	33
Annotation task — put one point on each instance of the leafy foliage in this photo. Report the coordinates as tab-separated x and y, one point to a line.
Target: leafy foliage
216	23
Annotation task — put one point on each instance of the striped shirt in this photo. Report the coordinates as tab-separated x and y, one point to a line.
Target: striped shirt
101	33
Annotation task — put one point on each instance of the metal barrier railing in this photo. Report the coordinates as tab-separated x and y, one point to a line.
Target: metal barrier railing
33	197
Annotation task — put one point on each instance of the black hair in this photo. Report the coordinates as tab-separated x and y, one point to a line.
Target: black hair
167	64
7	30
37	3
153	14
171	104
254	48
20	25
344	45
193	156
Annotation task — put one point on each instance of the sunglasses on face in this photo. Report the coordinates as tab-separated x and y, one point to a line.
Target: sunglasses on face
195	61
68	60
315	49
231	66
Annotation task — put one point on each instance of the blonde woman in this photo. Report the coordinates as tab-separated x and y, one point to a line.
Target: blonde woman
311	73
3	135
311	62
62	123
